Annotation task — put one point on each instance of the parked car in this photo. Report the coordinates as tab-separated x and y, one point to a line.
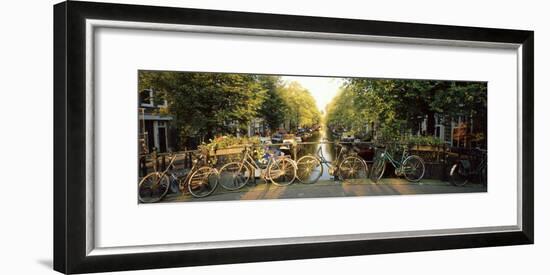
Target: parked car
302	135
347	137
289	138
277	138
265	140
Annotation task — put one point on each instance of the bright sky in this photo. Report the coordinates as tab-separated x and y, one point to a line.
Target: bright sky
323	89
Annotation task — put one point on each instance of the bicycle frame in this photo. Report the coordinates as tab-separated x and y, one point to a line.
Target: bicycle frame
331	165
410	166
323	160
168	167
251	162
388	157
162	174
194	167
188	176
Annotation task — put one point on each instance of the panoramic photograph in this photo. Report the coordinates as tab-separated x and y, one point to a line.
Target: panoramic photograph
207	136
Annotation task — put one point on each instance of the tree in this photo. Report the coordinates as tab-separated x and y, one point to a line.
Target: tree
273	107
397	107
204	104
301	109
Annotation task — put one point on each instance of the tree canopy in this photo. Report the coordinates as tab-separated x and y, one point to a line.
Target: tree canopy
273	107
204	103
207	104
301	109
396	107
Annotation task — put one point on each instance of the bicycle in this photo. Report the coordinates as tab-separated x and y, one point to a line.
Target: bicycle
279	170
200	182
461	172
346	167
202	179
410	166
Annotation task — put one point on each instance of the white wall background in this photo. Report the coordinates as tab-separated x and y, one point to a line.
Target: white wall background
26	132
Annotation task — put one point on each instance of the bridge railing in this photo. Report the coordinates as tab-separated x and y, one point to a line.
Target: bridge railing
437	157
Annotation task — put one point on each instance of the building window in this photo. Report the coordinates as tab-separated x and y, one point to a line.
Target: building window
159	100
146	98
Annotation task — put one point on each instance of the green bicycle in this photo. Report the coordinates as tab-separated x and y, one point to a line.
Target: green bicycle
410	166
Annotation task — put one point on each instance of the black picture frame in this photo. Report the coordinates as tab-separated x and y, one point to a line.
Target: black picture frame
70	254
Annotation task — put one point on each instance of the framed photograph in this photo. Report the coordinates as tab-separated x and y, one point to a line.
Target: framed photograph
187	137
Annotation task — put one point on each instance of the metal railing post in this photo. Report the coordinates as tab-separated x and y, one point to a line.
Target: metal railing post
143	165
155	160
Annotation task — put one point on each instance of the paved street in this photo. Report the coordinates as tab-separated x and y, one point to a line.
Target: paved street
330	188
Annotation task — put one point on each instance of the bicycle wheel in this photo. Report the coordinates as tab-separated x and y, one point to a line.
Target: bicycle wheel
309	169
377	170
233	176
458	175
353	168
153	187
282	172
203	182
413	168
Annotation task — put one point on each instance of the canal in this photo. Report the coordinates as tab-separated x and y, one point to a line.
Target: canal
322	147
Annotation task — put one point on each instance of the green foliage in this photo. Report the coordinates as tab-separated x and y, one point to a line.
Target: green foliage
422	140
273	107
205	104
395	108
224	142
301	109
341	112
212	104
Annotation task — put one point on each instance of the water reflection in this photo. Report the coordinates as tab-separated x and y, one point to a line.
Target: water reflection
327	150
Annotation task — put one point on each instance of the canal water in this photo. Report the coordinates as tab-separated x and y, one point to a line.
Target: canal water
327	149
